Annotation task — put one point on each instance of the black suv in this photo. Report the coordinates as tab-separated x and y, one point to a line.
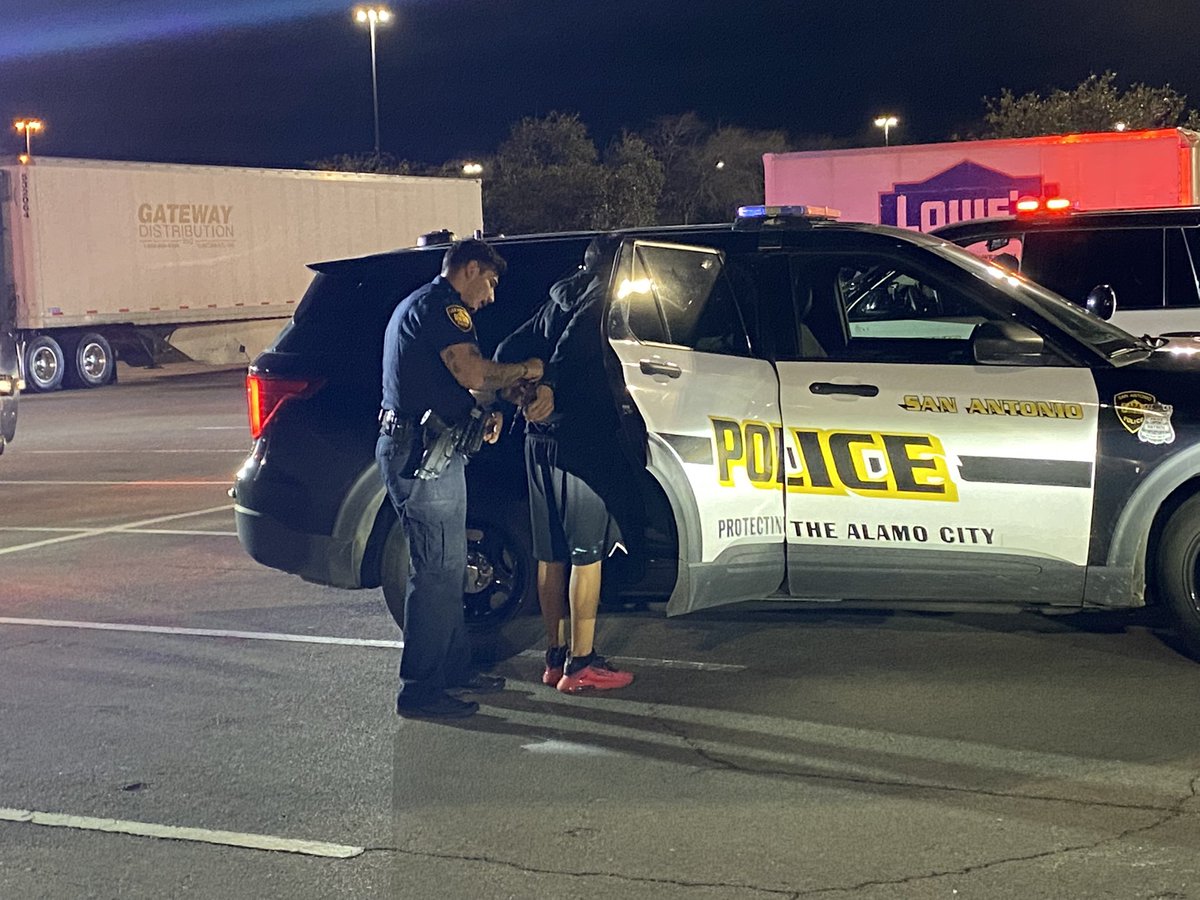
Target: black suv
1148	258
813	409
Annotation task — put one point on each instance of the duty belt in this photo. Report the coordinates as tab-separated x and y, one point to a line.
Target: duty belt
395	424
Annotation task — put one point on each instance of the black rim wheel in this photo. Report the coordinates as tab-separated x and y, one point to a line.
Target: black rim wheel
496	578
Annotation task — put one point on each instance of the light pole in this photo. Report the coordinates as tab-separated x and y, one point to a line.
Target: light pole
887	123
372	16
472	168
29	126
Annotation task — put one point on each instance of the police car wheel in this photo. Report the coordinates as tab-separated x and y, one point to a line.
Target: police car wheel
393	571
500	574
1178	568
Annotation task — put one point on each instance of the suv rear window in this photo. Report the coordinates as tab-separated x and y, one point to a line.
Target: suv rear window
1071	263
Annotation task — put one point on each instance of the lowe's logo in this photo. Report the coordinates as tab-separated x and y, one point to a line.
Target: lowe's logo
965	191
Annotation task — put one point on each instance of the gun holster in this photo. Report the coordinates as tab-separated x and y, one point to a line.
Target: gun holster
442	442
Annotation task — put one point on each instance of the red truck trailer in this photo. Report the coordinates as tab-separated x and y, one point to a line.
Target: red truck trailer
926	186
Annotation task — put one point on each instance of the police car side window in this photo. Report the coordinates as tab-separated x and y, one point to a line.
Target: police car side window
1183	267
671	294
895	314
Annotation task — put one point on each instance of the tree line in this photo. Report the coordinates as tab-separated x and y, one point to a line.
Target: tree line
549	174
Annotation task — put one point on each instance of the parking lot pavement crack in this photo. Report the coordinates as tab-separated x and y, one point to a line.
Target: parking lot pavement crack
695	746
717	760
1174	812
743	889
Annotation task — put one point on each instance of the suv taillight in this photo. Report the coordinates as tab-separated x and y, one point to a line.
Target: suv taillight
266	393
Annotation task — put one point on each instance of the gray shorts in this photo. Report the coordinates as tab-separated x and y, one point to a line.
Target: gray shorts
569	521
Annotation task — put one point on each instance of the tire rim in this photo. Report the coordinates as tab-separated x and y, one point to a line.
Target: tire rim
93	361
45	365
495	581
1191	574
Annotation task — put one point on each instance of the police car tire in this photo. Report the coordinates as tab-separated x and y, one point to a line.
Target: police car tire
393	571
503	539
1178	569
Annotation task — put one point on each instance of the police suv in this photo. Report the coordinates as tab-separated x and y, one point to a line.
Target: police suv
1139	268
813	409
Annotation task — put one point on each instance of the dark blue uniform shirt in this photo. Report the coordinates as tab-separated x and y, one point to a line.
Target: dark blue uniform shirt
415	378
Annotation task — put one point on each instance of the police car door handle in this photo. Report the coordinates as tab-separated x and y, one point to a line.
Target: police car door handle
854	390
659	367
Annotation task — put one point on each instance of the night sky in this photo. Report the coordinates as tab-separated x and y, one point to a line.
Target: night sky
284	82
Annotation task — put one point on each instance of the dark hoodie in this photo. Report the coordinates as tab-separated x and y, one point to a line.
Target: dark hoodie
566	335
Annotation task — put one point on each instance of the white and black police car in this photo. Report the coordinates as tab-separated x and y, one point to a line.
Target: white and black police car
811	409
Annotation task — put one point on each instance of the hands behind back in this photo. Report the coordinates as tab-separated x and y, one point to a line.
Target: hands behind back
541	405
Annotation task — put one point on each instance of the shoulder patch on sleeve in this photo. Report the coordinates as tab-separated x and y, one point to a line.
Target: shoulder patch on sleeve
460	317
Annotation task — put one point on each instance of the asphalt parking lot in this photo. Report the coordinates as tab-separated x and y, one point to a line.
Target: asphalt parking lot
180	721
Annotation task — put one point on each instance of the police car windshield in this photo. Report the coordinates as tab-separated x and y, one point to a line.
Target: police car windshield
1116	344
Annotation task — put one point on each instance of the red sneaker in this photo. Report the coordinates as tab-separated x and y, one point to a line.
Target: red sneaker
598	675
556	661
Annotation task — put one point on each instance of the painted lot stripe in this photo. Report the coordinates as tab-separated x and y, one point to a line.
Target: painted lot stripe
112	529
206	632
324	639
139	451
42	483
44	529
180	833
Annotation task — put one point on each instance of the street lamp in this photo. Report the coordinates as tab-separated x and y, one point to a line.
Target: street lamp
372	16
472	168
29	126
887	123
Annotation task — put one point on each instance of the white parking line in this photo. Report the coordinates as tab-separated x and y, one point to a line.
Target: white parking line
183	531
167	483
692	665
139	451
205	632
111	529
180	833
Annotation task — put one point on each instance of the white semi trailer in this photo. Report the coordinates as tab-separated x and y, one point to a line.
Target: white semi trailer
105	258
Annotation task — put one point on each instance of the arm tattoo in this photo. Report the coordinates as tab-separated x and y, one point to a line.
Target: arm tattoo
460	359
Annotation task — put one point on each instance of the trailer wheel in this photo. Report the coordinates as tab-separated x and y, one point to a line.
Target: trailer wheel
92	363
1178	573
45	364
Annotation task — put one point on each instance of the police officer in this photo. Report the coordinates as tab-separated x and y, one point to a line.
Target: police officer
578	480
431	362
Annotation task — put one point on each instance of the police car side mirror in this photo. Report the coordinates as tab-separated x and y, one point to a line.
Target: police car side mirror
1006	344
1101	301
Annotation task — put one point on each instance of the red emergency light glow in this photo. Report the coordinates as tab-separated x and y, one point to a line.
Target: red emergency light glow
265	394
1028	206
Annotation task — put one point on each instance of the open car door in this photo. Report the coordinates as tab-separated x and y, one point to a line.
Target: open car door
706	409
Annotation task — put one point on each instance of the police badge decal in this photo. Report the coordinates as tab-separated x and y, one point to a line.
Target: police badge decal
460	317
1141	414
